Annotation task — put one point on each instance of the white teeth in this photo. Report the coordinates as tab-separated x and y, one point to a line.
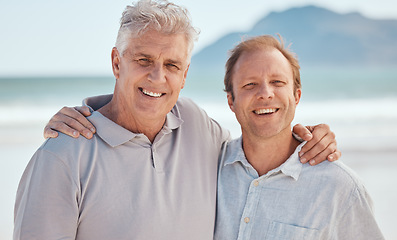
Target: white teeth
152	94
266	110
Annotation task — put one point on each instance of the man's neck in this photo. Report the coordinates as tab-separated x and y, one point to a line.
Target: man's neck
265	154
150	128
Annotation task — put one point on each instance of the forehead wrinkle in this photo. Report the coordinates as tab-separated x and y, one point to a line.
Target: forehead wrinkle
151	47
139	53
264	62
279	75
151	58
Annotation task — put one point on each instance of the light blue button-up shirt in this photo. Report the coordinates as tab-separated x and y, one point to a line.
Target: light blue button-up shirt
293	201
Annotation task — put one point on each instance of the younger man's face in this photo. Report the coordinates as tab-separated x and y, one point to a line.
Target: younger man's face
264	97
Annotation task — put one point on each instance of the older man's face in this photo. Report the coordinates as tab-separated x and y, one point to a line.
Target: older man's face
151	73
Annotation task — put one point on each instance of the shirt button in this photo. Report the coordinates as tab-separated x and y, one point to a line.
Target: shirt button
256	183
247	220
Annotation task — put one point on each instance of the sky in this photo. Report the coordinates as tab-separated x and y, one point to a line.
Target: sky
75	38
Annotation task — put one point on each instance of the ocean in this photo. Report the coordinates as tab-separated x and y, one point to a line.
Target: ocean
360	105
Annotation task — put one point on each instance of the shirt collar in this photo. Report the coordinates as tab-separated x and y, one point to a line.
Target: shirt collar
110	132
171	122
236	153
96	102
114	134
292	167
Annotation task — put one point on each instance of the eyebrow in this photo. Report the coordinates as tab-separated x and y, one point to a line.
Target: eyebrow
275	75
151	57
141	55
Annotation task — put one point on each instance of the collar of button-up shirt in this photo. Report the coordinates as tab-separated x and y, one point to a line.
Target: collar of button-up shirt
292	167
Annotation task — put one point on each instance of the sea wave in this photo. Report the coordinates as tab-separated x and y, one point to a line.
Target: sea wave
358	123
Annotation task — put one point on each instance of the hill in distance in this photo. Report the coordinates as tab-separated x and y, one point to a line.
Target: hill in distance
320	37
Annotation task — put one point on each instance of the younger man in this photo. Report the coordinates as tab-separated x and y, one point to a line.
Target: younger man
264	192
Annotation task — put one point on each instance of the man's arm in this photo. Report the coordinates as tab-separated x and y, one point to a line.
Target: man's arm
46	201
321	143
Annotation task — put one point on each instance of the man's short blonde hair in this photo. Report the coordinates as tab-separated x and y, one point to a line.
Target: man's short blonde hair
258	43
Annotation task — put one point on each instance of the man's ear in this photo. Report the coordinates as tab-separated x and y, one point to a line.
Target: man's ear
230	101
116	62
298	94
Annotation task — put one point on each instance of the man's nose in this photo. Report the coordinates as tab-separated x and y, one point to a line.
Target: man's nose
157	73
265	92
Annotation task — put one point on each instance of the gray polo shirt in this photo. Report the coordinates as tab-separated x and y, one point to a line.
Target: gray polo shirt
120	186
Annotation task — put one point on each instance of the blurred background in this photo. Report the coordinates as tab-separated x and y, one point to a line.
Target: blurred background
55	53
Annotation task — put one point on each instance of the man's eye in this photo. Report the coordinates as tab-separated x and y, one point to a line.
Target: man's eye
143	61
173	66
278	82
249	85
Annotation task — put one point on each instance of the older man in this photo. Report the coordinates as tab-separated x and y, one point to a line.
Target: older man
150	170
264	192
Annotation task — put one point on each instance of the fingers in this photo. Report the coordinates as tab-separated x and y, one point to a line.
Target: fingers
303	132
322	146
330	152
70	122
83	110
334	156
49	133
318	133
82	119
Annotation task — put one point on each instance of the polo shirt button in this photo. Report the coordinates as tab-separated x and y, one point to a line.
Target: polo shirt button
247	220
256	183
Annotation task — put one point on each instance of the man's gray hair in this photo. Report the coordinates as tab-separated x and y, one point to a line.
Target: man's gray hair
159	15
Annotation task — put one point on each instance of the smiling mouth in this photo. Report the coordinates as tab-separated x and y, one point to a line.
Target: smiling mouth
151	94
266	111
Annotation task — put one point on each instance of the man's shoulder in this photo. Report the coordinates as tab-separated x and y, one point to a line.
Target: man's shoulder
335	185
188	110
198	121
336	175
186	104
62	141
66	147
